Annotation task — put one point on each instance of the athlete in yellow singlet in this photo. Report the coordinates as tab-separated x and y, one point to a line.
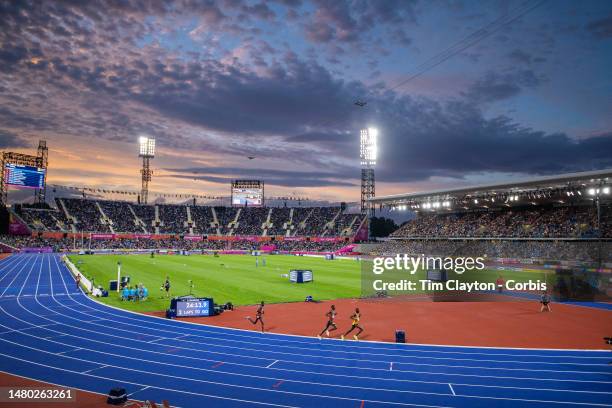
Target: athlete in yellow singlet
355	317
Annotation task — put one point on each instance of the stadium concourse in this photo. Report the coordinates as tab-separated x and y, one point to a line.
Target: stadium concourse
52	332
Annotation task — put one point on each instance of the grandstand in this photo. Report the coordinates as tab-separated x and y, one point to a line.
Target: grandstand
113	225
565	217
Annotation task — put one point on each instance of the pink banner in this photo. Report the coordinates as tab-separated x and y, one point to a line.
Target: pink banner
102	236
325	239
267	247
347	249
193	237
251	238
294	238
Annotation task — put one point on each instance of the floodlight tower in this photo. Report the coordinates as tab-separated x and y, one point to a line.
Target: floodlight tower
147	152
368	162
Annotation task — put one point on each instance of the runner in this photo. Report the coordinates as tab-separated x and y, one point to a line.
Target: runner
545	301
355	317
331	326
259	316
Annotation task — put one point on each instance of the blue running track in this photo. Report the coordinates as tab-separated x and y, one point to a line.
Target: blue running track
51	332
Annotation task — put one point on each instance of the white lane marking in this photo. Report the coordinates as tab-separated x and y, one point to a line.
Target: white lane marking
13	280
416	372
272	363
69	351
97	368
451	387
204	330
33	313
211	382
217	345
314	383
117	336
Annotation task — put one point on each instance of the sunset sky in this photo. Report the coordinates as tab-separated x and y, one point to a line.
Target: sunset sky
217	81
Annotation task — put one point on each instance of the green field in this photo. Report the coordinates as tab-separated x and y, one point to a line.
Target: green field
236	279
227	278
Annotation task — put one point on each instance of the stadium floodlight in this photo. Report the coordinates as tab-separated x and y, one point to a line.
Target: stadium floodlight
591	191
147	146
606	190
475	201
369	146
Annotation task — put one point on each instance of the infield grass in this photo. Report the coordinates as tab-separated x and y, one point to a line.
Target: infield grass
227	278
236	278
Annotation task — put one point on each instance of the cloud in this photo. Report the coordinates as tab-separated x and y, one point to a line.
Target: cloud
110	75
284	178
601	28
495	86
352	21
520	56
10	140
455	140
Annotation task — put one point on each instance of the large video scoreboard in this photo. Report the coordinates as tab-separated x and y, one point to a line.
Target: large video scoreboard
247	193
21	176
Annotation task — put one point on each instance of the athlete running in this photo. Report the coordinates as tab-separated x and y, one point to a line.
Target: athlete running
355	317
330	326
258	316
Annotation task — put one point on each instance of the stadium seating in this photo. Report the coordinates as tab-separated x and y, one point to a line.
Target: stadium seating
122	218
561	250
318	221
92	216
173	219
541	222
202	218
279	219
45	220
86	215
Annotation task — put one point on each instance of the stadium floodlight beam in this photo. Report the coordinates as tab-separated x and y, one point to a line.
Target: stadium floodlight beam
368	153
147	152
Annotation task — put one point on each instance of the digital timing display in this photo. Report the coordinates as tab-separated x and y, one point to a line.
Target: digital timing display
24	176
193	308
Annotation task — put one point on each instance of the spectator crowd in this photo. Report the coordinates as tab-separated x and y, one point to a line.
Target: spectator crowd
559	250
82	215
541	222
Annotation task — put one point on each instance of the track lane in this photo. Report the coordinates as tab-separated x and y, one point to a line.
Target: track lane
48	308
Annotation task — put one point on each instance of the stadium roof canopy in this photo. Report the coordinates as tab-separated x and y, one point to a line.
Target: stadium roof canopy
567	188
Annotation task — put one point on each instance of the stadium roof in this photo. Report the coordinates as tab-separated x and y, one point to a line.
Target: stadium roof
559	188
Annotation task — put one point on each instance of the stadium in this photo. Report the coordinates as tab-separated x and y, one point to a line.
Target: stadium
493	289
